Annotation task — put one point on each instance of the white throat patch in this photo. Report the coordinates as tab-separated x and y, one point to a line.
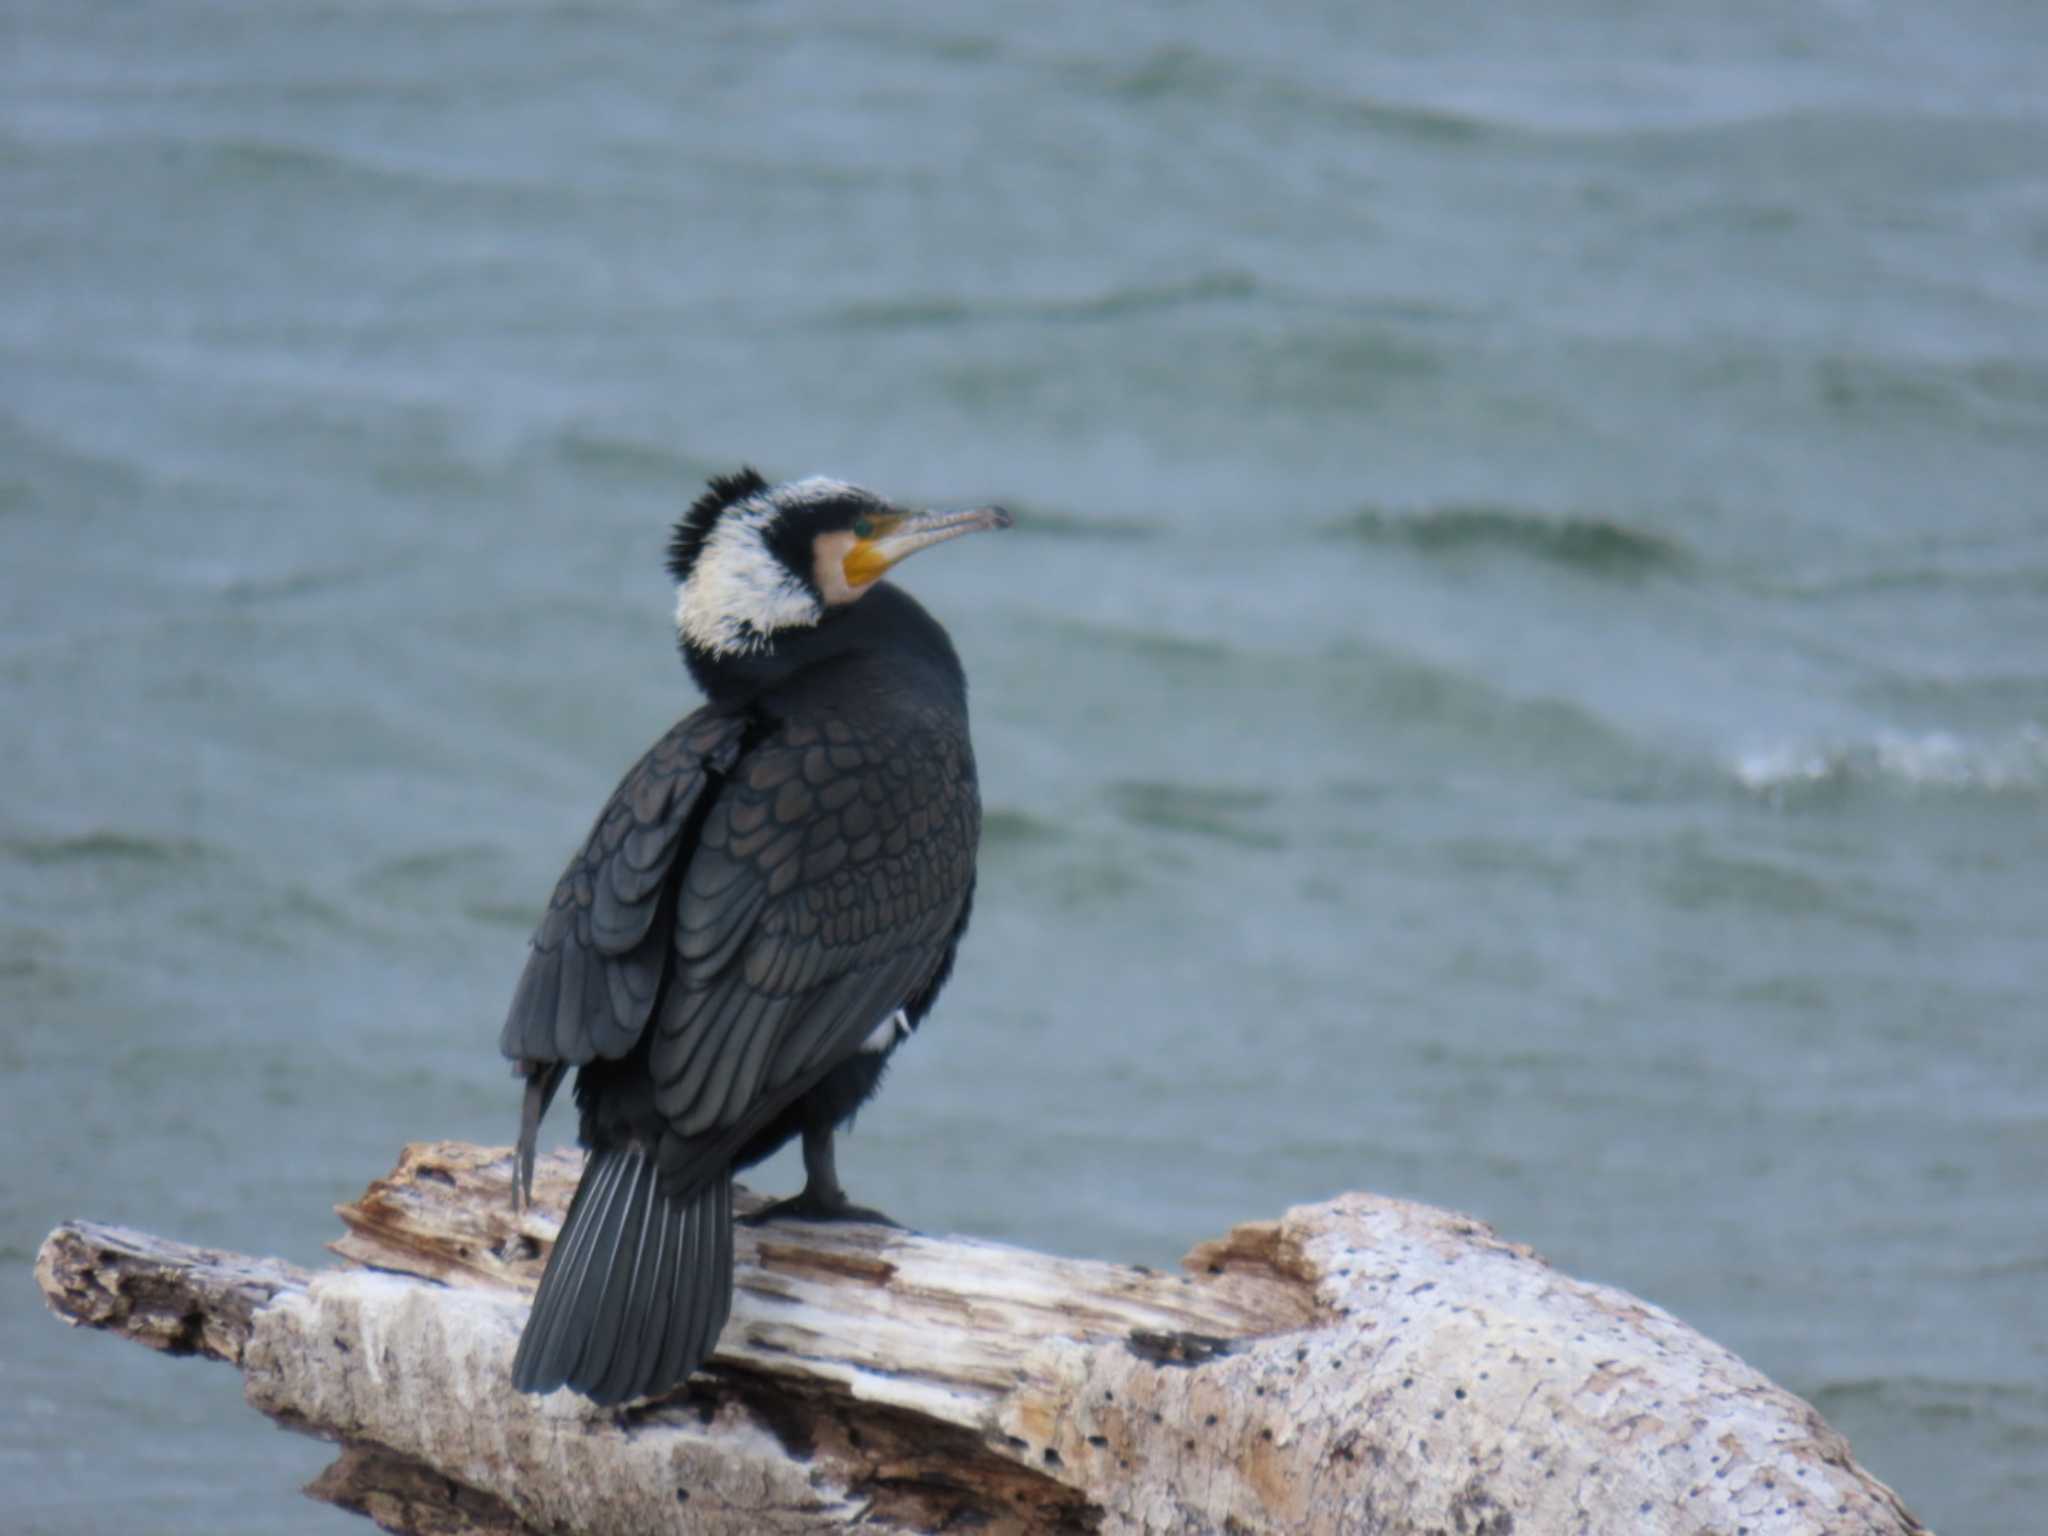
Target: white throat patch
738	593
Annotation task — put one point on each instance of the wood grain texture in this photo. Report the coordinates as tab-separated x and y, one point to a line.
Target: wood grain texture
174	1298
1362	1365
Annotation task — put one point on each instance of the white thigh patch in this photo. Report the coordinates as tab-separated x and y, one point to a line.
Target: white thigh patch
888	1032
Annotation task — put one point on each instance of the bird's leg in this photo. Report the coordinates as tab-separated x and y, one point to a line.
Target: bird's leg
542	1079
822	1198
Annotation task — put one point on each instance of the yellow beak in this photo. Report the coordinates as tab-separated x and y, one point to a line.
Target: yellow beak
898	535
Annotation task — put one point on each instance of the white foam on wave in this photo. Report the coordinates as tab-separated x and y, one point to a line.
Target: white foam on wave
1932	760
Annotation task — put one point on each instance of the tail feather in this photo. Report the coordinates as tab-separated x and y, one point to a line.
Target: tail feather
694	1328
549	1347
638	1287
646	1296
614	1264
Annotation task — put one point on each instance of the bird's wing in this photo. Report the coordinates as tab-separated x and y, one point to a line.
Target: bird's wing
597	958
825	890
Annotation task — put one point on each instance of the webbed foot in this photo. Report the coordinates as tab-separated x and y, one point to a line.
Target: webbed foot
812	1206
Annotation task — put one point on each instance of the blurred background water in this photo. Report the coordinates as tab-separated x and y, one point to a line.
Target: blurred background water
1521	680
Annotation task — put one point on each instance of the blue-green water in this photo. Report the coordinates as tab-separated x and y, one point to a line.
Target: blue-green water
1521	680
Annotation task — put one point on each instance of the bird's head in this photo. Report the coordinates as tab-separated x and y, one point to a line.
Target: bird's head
752	561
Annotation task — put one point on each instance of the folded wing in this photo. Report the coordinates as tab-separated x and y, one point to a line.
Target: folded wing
601	952
825	890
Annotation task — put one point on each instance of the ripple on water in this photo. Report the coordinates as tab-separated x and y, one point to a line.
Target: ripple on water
939	312
1597	546
1008	827
2019	1409
432	874
105	845
1220	811
1177	75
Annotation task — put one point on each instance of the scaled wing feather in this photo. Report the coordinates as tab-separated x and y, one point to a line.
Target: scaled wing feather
807	914
598	956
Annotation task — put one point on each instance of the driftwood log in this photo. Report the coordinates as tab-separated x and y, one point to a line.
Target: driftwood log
1364	1365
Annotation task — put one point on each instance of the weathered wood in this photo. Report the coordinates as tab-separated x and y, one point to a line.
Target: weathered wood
183	1301
1363	1365
407	1496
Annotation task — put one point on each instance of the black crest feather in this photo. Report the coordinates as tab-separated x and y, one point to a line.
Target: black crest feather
695	525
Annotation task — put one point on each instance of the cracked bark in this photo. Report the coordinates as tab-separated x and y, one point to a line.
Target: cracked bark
1360	1365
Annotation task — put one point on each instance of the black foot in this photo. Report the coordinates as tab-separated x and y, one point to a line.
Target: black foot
810	1206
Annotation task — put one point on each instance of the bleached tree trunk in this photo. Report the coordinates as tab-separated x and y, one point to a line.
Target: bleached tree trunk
1363	1365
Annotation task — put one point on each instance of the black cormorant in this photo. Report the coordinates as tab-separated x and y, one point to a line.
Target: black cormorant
765	909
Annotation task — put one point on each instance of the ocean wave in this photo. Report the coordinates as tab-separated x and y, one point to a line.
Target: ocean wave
1007	826
925	312
1995	394
1415	120
105	844
36	463
1215	811
1596	545
1938	762
1190	77
286	162
1931	1399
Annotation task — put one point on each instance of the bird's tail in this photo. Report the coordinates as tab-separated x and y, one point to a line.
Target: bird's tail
638	1286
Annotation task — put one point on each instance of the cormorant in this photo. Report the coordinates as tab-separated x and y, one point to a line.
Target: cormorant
765	909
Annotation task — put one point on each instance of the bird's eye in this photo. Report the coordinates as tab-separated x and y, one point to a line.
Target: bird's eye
863	527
